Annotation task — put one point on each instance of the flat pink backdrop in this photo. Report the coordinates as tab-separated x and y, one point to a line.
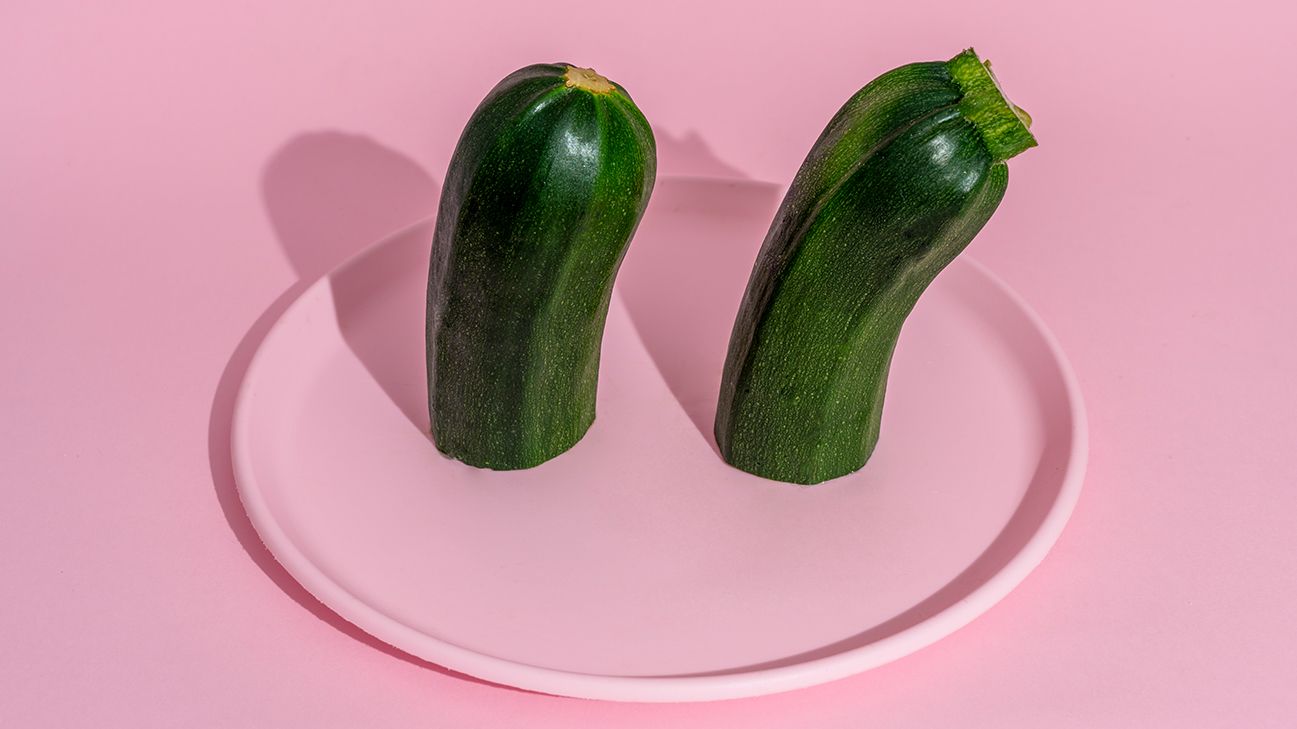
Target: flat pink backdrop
171	174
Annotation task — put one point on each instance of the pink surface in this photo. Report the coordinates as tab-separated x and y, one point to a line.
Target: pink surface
170	172
638	566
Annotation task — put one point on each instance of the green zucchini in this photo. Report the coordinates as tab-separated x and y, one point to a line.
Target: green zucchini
545	189
903	177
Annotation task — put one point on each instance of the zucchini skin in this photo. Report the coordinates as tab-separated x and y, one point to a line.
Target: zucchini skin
894	189
544	191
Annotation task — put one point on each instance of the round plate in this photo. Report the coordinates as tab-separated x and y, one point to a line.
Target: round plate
638	565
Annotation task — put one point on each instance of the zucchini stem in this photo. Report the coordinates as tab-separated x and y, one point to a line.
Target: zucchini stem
587	79
1004	126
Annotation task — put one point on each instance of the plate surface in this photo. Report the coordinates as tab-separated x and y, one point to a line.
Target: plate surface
638	565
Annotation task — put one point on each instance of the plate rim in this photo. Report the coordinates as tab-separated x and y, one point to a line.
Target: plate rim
653	688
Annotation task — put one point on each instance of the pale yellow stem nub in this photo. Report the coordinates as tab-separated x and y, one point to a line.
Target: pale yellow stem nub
587	79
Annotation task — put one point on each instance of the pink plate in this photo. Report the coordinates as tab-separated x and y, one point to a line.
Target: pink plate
639	566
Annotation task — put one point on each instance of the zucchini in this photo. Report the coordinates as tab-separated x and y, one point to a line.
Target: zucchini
545	189
903	177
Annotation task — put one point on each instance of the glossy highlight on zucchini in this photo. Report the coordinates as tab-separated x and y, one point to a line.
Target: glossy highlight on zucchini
897	185
545	189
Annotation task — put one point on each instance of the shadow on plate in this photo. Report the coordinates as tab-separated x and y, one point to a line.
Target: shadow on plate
685	275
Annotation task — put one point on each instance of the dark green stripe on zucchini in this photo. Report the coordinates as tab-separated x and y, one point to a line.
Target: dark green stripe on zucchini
903	177
544	191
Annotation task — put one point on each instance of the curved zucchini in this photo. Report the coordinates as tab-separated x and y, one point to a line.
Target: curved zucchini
903	177
545	189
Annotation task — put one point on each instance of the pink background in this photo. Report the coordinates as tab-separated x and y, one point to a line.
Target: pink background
170	177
